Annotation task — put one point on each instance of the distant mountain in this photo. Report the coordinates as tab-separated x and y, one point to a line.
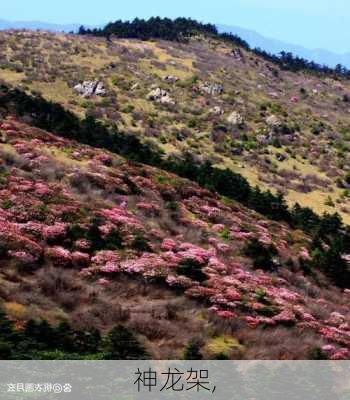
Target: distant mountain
34	25
276	46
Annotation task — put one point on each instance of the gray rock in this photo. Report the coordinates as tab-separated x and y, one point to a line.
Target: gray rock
170	79
281	157
90	88
100	89
262	139
273	121
237	54
212	88
161	96
216	110
235	118
135	86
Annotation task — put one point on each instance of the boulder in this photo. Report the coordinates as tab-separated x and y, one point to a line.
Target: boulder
273	121
211	88
100	89
161	96
280	157
235	118
237	54
216	110
90	88
170	78
135	86
167	100
262	139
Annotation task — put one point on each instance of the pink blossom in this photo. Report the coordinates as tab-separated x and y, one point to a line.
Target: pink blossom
346	257
121	217
232	295
42	190
105	230
265	239
224	248
304	254
238	235
226	314
168	244
59	255
56	231
103	282
80	259
148	207
86	272
145	263
217	265
341	354
335	319
104	159
82	244
218	228
285	317
179	281
328	348
110	267
103	257
22	257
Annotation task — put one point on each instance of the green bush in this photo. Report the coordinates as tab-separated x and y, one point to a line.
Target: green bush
262	256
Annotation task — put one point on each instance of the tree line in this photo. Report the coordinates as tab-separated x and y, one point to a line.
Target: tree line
180	29
38	340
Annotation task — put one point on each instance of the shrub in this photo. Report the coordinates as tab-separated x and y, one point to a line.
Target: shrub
193	350
262	256
121	344
192	270
141	244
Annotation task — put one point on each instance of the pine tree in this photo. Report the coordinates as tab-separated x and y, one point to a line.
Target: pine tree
192	351
121	344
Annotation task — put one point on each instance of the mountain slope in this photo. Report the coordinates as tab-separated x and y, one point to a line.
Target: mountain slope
282	130
81	226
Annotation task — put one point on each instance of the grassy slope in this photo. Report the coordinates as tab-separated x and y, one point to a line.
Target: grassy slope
52	64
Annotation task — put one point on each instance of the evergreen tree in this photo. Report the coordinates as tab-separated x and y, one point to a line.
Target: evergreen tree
121	344
193	350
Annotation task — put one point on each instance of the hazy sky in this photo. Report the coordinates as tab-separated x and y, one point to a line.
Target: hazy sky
311	23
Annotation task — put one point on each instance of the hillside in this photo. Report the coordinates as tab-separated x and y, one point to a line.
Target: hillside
90	238
282	130
101	228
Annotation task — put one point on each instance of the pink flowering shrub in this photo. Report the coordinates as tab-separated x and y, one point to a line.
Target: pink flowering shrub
55	232
80	259
24	258
59	256
165	230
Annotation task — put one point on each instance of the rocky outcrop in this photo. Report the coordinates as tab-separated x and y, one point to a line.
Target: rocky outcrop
213	89
90	88
160	96
235	118
216	110
170	79
237	54
273	121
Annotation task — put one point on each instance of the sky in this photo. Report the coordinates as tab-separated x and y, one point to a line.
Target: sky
310	23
